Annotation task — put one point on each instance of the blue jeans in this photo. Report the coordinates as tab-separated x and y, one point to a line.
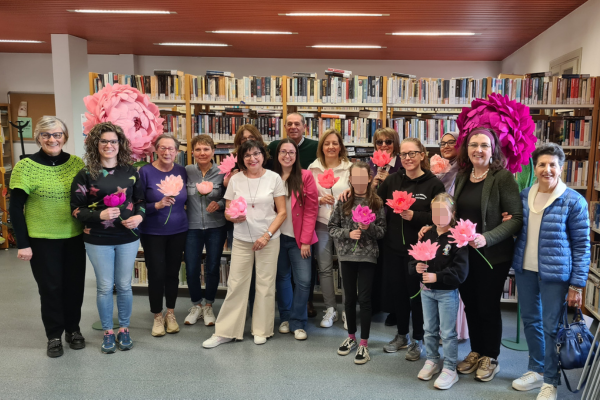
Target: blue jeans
113	265
541	305
292	303
440	309
197	239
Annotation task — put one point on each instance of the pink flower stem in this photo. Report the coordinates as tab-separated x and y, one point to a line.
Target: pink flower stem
485	259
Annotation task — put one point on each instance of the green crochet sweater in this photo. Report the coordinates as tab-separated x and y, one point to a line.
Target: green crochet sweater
48	207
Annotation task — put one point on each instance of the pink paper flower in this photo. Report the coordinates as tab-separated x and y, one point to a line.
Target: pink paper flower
227	165
381	158
237	208
204	188
509	119
327	179
439	165
424	251
363	215
463	233
115	200
131	110
171	185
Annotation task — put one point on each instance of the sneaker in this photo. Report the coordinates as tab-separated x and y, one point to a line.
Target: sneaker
362	355
344	319
76	340
108	344
158	329
196	313
329	318
446	379
55	348
531	380
171	323
414	351
347	346
469	364
209	316
300	334
488	368
260	339
428	371
284	327
548	392
397	343
214	341
124	341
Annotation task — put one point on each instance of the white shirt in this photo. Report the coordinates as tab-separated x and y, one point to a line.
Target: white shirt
260	192
343	172
287	227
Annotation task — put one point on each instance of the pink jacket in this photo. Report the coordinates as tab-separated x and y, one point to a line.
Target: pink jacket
304	216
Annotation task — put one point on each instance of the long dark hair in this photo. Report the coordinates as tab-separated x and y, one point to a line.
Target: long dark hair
373	200
498	158
293	183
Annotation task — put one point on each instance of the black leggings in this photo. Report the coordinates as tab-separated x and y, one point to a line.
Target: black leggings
358	274
163	254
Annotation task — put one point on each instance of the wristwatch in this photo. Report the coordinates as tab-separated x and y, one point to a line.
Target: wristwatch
270	234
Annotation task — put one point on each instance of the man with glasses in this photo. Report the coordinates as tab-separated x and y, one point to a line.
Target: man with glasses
295	126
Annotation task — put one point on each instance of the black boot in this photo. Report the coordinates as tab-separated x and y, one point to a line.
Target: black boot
76	340
55	348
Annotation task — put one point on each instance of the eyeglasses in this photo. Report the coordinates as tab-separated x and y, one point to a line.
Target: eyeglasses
255	155
449	143
284	153
388	142
164	149
410	154
296	124
475	146
46	135
105	142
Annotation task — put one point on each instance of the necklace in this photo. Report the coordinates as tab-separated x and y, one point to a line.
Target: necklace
253	199
482	175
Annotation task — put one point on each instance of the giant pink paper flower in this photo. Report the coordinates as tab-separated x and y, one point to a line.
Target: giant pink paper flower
511	122
381	158
423	251
131	110
439	165
227	165
237	208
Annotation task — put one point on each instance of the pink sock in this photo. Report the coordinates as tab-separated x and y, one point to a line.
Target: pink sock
109	332
363	342
352	336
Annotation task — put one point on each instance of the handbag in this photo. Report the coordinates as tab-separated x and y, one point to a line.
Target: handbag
573	343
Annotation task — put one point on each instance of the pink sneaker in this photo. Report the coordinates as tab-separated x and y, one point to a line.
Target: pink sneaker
428	371
446	379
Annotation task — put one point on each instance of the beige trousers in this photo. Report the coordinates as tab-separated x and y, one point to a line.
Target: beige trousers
232	316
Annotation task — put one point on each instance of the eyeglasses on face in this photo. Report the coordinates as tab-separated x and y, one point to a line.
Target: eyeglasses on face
104	142
410	154
475	146
284	153
296	124
55	135
387	142
164	149
256	154
449	143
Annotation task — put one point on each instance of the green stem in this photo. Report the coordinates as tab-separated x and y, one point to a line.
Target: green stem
417	292
403	236
130	229
170	209
485	259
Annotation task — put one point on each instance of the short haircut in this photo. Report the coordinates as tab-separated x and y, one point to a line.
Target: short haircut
202	139
549	149
382	133
245	148
321	155
47	123
165	136
300	115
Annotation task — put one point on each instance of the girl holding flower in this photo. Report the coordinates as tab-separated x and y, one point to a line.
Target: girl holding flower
110	243
356	224
164	231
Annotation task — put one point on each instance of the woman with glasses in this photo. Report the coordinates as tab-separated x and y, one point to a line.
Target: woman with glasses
449	151
388	141
110	240
255	237
47	235
163	233
401	233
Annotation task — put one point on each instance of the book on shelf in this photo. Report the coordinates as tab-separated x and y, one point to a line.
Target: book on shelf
592	293
402	75
175	125
575	172
594	210
167	85
510	288
304	74
139	82
595	258
336	89
223	126
219	73
353	129
538	74
564	130
429	129
359	153
229	88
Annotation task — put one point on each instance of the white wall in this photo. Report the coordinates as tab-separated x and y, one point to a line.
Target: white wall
578	29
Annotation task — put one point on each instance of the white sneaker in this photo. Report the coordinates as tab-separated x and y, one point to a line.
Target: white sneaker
214	341
428	371
548	392
344	319
195	314
531	380
300	334
284	327
260	339
446	379
209	316
329	318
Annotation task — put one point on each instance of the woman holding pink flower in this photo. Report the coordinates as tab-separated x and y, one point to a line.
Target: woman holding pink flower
108	197
387	143
164	231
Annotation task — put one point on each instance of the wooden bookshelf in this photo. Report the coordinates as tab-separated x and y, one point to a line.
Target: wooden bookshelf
5	159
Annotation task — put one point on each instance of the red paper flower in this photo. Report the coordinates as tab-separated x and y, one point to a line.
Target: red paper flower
401	201
381	158
327	180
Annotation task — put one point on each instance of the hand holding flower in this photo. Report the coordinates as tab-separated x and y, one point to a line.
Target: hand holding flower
428	277
478	242
407	215
164	202
110	213
132	222
355	234
421	267
327	200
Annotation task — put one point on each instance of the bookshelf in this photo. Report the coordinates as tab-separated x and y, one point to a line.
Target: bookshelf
5	168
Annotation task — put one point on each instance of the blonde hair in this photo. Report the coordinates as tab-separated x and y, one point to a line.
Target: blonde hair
47	123
388	133
448	200
321	156
422	149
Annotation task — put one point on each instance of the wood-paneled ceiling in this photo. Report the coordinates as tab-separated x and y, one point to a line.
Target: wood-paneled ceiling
504	26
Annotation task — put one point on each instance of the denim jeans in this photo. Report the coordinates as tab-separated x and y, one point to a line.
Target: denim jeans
440	308
113	265
541	305
324	255
197	239
292	302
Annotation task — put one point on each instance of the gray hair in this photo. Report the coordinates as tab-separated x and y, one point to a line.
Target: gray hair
295	113
47	123
165	136
549	149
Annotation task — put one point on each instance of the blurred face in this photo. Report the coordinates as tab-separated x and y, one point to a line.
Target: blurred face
359	178
548	170
287	155
253	159
447	147
385	144
203	154
166	150
411	156
440	214
294	127
480	151
50	144
246	135
108	145
331	146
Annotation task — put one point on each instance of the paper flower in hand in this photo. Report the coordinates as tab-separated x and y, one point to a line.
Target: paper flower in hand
237	208
227	165
363	215
115	200
509	119
463	233
439	165
381	158
401	201
423	251
204	188
131	110
171	185
326	179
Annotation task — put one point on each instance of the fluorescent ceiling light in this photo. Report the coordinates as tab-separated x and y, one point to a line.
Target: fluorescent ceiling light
434	34
193	44
122	11
256	32
20	41
334	15
333	46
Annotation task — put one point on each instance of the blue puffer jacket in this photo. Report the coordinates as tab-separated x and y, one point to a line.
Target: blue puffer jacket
564	240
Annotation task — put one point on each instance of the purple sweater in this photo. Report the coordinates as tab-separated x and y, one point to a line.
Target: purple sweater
154	224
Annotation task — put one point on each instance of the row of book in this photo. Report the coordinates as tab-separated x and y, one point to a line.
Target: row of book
510	288
353	130
566	131
428	130
594	209
595	257
163	85
174	125
337	282
575	172
140	273
592	293
218	87
336	89
223	126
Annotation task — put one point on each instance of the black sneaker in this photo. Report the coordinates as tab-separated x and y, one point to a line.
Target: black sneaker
55	348
76	340
362	355
347	346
